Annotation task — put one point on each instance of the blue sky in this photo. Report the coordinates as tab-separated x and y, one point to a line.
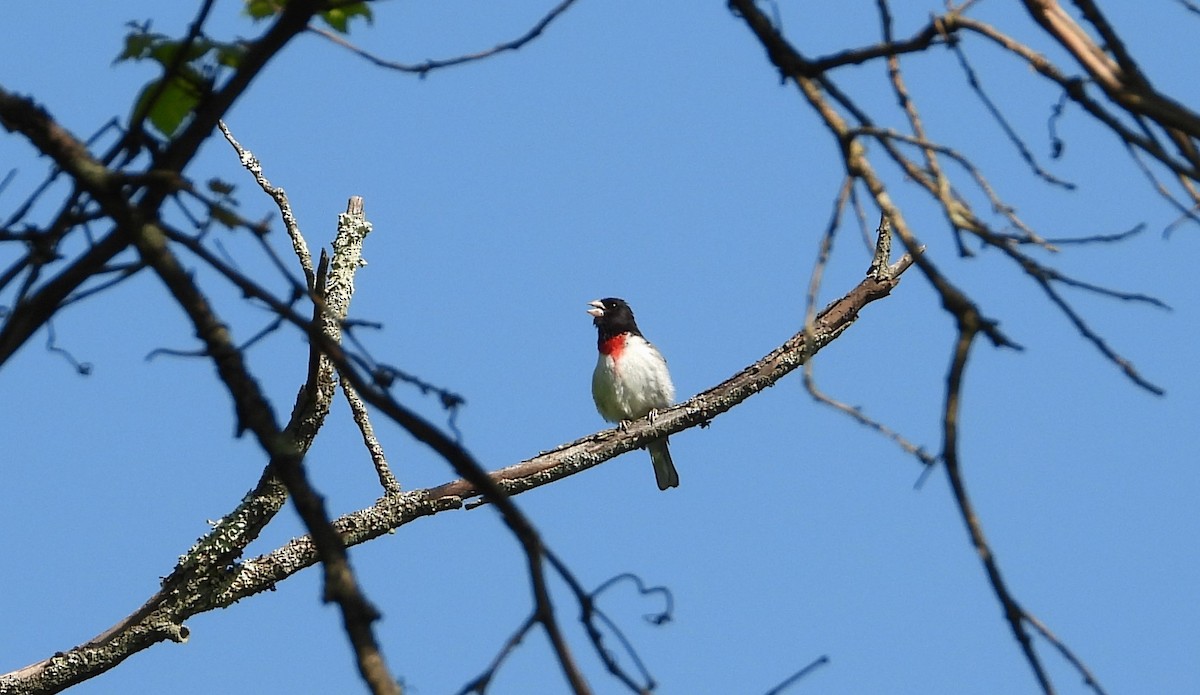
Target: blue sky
642	150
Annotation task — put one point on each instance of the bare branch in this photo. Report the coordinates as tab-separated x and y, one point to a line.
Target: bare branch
188	593
81	368
879	269
424	68
251	163
1089	679
1014	613
1185	212
352	228
1189	6
256	415
1099	238
590	612
967	330
819	90
1013	137
799	675
481	682
358	410
1094	338
571	458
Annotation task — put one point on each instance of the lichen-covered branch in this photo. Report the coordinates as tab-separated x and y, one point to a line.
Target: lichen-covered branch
393	511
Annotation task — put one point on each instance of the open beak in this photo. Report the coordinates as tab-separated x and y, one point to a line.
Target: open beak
597	308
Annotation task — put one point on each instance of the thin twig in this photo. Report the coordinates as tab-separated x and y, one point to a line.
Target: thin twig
1089	679
1189	6
880	268
860	218
7	179
251	164
1137	297
424	68
914	120
358	410
968	329
590	611
951	201
977	87
798	675
480	683
823	253
81	368
1094	338
122	273
1185	212
1099	238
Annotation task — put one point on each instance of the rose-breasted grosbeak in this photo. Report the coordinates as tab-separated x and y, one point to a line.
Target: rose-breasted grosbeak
631	378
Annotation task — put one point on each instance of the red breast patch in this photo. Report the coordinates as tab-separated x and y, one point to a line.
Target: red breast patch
613	346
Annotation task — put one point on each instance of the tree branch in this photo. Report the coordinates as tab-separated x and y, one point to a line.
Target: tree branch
968	329
391	512
424	68
255	414
163	616
820	91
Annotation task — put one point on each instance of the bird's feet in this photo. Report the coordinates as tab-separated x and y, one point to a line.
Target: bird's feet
624	425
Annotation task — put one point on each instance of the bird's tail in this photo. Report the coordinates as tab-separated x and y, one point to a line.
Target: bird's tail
664	467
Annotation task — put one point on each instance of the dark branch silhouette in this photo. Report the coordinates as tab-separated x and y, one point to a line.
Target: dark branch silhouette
424	68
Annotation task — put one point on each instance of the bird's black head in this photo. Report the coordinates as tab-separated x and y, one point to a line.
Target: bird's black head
612	316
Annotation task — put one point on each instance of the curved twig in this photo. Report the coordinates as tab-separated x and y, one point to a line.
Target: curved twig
424	68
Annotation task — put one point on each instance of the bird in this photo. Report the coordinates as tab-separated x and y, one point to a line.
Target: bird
631	378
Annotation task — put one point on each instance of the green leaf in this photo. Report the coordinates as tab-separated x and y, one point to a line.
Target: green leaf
137	45
165	52
177	101
339	18
261	9
230	54
225	216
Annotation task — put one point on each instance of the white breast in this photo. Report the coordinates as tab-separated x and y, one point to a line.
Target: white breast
632	385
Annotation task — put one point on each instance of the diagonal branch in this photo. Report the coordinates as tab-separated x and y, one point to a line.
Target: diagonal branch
255	414
1015	614
820	91
164	615
968	330
69	153
1120	78
389	513
879	268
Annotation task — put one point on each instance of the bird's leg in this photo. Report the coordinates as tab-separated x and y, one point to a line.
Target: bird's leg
624	425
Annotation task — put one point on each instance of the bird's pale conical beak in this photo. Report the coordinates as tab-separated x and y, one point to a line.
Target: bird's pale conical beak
597	308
